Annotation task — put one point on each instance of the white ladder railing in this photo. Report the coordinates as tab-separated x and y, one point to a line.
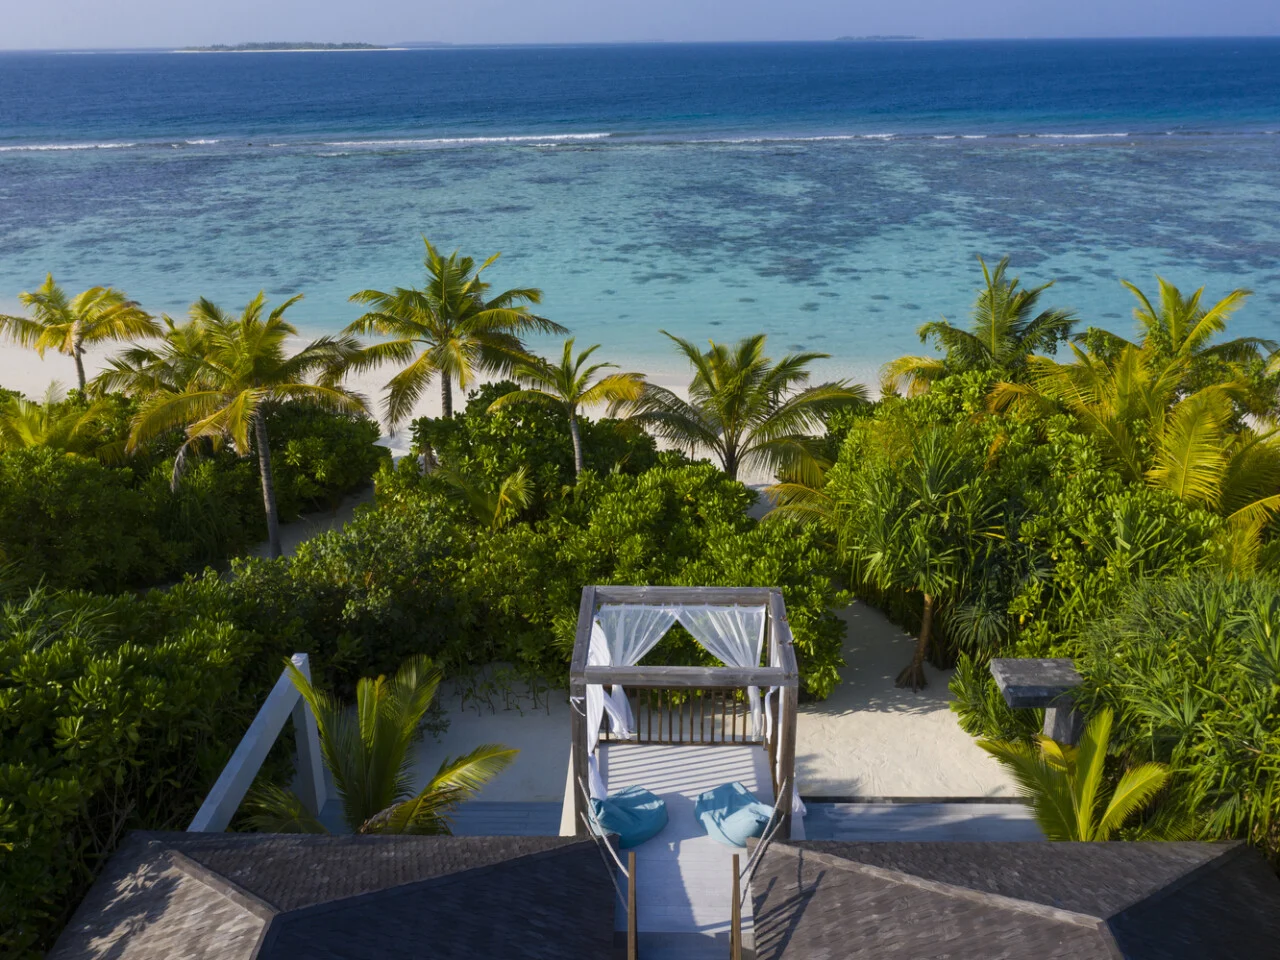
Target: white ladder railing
237	776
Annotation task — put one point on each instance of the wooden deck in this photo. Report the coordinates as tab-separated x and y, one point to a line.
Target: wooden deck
873	822
684	878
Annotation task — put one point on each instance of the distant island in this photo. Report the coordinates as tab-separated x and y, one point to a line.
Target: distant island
874	37
280	47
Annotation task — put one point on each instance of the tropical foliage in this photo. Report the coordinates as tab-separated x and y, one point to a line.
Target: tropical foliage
1004	333
66	324
746	410
453	328
569	386
244	371
368	751
1066	788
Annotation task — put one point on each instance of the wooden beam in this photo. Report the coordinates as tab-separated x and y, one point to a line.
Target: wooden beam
692	677
735	914
578	709
754	596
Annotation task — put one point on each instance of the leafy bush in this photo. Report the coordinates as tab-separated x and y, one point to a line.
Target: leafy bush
78	523
115	714
491	446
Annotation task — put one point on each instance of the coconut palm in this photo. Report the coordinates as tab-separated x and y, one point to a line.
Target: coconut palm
1064	785
1178	328
1004	332
67	324
747	410
571	387
1154	432
368	752
452	328
243	373
170	365
74	430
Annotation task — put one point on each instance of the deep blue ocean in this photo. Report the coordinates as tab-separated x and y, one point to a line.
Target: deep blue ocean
834	195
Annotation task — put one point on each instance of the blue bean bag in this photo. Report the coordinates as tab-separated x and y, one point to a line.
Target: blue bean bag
731	813
633	813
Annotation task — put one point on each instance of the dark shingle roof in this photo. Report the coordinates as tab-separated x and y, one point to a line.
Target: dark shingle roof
261	897
1015	900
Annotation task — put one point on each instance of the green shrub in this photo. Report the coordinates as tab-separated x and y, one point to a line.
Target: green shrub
115	714
491	446
77	523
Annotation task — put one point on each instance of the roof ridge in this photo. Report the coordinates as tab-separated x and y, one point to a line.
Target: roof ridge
956	891
228	888
1232	850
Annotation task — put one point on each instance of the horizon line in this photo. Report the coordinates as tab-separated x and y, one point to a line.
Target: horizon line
428	45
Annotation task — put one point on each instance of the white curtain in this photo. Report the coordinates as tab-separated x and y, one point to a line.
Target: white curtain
734	635
621	635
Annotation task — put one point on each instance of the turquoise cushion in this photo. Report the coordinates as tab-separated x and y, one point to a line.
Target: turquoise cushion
633	813
731	813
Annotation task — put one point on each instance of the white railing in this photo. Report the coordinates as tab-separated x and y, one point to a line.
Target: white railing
237	776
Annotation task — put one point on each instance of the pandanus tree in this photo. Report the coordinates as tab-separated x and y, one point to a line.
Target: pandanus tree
572	385
453	328
67	324
369	752
747	410
243	372
1004	332
914	525
1066	789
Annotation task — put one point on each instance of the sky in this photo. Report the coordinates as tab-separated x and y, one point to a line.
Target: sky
94	24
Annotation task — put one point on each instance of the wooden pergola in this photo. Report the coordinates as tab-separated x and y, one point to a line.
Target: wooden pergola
684	686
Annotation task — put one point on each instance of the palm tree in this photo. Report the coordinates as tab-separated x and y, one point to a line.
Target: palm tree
570	387
1064	785
73	430
171	365
243	372
1179	329
451	328
747	410
492	508
367	750
1002	335
1154	432
66	324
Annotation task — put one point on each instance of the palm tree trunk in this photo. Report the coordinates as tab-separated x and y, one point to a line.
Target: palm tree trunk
913	676
77	351
268	486
730	460
577	445
446	397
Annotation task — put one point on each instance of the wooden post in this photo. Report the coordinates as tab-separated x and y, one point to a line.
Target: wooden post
633	922
735	915
787	755
578	710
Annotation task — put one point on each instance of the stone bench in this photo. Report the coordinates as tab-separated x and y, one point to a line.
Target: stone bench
1028	682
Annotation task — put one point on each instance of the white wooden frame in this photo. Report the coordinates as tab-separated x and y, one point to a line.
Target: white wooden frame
237	776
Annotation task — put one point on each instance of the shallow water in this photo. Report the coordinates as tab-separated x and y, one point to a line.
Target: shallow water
834	196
